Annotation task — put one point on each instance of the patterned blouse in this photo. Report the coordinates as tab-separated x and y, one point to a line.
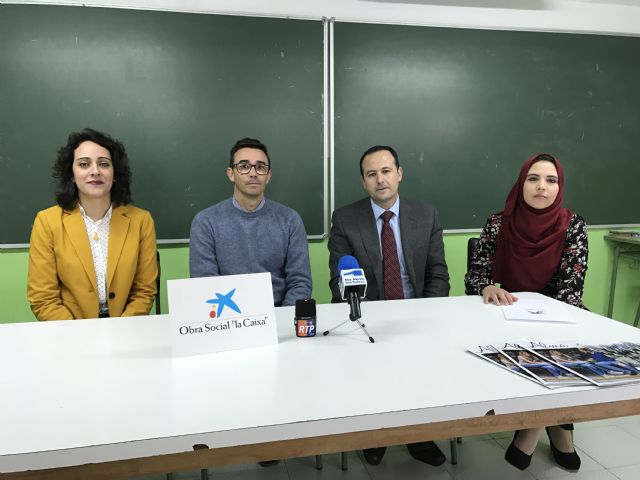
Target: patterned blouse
567	283
98	233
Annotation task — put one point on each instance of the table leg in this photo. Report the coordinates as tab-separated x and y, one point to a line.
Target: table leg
454	451
614	274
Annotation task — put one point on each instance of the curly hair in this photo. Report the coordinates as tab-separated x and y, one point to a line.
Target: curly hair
67	191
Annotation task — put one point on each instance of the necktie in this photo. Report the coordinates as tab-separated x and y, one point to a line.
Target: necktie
390	264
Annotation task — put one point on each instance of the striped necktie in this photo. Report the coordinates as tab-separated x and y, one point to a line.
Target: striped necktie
390	264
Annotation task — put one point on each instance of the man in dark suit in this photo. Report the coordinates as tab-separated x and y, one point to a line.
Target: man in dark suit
398	244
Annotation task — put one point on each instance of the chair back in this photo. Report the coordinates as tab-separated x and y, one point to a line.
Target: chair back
472	246
157	302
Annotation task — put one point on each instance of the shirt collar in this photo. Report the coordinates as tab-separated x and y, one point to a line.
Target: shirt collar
378	210
107	215
242	209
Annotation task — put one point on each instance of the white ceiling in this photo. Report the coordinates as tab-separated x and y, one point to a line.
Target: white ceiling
620	17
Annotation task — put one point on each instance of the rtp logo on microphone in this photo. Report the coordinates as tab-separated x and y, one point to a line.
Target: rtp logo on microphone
223	300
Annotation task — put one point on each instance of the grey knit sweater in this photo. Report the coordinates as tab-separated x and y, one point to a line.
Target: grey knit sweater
226	240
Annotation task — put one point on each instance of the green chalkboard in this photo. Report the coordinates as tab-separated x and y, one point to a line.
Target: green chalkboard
178	89
465	108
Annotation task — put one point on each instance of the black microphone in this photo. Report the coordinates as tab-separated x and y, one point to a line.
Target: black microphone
353	287
353	284
305	318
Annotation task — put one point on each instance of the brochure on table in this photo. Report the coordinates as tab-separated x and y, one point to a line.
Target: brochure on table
535	308
566	363
214	314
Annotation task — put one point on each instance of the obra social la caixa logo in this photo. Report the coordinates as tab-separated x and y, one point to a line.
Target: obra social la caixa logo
221	301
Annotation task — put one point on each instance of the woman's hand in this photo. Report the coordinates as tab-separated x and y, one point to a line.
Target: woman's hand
497	296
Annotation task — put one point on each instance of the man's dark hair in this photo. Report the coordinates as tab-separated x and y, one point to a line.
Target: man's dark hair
379	148
67	191
247	142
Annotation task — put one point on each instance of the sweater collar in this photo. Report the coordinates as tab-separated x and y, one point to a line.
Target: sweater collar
239	207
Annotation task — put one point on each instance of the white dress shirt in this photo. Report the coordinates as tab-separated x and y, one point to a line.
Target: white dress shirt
98	233
395	228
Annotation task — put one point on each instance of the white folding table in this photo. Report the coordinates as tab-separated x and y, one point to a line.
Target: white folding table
103	398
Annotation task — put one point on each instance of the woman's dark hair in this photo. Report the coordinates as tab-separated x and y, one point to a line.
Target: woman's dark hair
544	157
67	192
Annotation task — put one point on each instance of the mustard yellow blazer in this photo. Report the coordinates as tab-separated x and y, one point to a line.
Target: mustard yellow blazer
62	279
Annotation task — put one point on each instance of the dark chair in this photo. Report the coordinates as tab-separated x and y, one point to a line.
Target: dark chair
472	246
344	465
157	302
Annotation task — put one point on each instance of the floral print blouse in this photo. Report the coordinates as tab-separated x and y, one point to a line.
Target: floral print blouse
567	283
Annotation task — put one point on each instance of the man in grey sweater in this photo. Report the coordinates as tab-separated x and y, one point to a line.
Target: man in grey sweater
249	233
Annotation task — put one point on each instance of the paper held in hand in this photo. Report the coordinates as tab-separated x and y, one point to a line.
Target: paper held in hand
537	309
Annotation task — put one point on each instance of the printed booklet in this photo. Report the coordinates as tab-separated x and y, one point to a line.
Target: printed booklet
493	355
599	364
566	364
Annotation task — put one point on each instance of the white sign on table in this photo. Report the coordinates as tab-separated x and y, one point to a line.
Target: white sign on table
215	314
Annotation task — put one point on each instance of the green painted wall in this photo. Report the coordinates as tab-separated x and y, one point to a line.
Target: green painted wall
175	264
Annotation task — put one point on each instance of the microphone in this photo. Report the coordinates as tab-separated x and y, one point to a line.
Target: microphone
353	286
305	318
352	283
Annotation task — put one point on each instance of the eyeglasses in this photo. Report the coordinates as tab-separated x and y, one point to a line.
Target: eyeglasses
244	168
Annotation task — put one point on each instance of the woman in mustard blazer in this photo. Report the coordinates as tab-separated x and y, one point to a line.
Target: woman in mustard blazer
93	254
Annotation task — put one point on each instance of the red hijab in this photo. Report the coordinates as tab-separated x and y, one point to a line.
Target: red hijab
531	240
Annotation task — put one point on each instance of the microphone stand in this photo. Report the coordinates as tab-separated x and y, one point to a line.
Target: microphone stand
354	315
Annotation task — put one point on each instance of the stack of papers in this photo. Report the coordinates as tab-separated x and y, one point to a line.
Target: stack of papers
566	364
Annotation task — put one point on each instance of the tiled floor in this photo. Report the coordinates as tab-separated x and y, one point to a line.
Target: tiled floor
609	449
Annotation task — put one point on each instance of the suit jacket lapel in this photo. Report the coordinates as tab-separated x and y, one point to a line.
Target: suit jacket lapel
409	234
370	239
117	235
77	232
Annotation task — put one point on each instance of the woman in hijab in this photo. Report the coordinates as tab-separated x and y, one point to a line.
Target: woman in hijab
534	245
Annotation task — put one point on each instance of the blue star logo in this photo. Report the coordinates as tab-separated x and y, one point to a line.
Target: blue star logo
224	300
